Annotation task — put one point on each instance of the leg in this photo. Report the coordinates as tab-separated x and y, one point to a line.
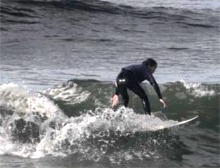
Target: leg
141	93
124	94
122	88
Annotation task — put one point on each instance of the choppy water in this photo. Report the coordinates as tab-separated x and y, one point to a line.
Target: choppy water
59	59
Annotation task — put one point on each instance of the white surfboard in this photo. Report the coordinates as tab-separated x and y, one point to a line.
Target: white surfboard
161	126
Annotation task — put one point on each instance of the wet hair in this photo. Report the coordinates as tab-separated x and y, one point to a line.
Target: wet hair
150	62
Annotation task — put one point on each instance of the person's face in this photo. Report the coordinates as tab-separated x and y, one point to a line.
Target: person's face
153	69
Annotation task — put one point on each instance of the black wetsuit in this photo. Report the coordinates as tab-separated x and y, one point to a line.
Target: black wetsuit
130	77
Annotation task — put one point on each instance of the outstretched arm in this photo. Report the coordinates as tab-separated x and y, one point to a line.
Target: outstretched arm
157	90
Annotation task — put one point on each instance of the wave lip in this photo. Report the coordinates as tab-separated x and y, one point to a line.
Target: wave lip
23	113
197	89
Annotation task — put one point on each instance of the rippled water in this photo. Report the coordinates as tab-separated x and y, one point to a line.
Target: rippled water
46	121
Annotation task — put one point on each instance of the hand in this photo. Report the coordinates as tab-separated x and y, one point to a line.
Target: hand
163	102
115	100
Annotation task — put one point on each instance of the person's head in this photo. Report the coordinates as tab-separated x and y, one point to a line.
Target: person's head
151	63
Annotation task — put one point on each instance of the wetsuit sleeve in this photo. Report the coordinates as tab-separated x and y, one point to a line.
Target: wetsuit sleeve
155	85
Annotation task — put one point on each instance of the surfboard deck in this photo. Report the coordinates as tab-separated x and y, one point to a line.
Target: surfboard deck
161	127
186	121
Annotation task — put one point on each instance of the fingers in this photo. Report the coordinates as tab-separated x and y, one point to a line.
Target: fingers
164	103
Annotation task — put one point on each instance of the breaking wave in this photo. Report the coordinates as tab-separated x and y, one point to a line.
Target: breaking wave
75	119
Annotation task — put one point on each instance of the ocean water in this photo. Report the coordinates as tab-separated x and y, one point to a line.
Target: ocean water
58	63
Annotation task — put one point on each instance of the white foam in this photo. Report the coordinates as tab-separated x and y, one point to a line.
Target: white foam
24	104
22	101
77	130
72	134
197	89
69	93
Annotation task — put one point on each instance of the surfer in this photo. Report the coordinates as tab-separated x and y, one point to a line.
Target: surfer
130	78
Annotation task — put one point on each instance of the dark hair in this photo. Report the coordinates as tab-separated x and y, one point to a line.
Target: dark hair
150	62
